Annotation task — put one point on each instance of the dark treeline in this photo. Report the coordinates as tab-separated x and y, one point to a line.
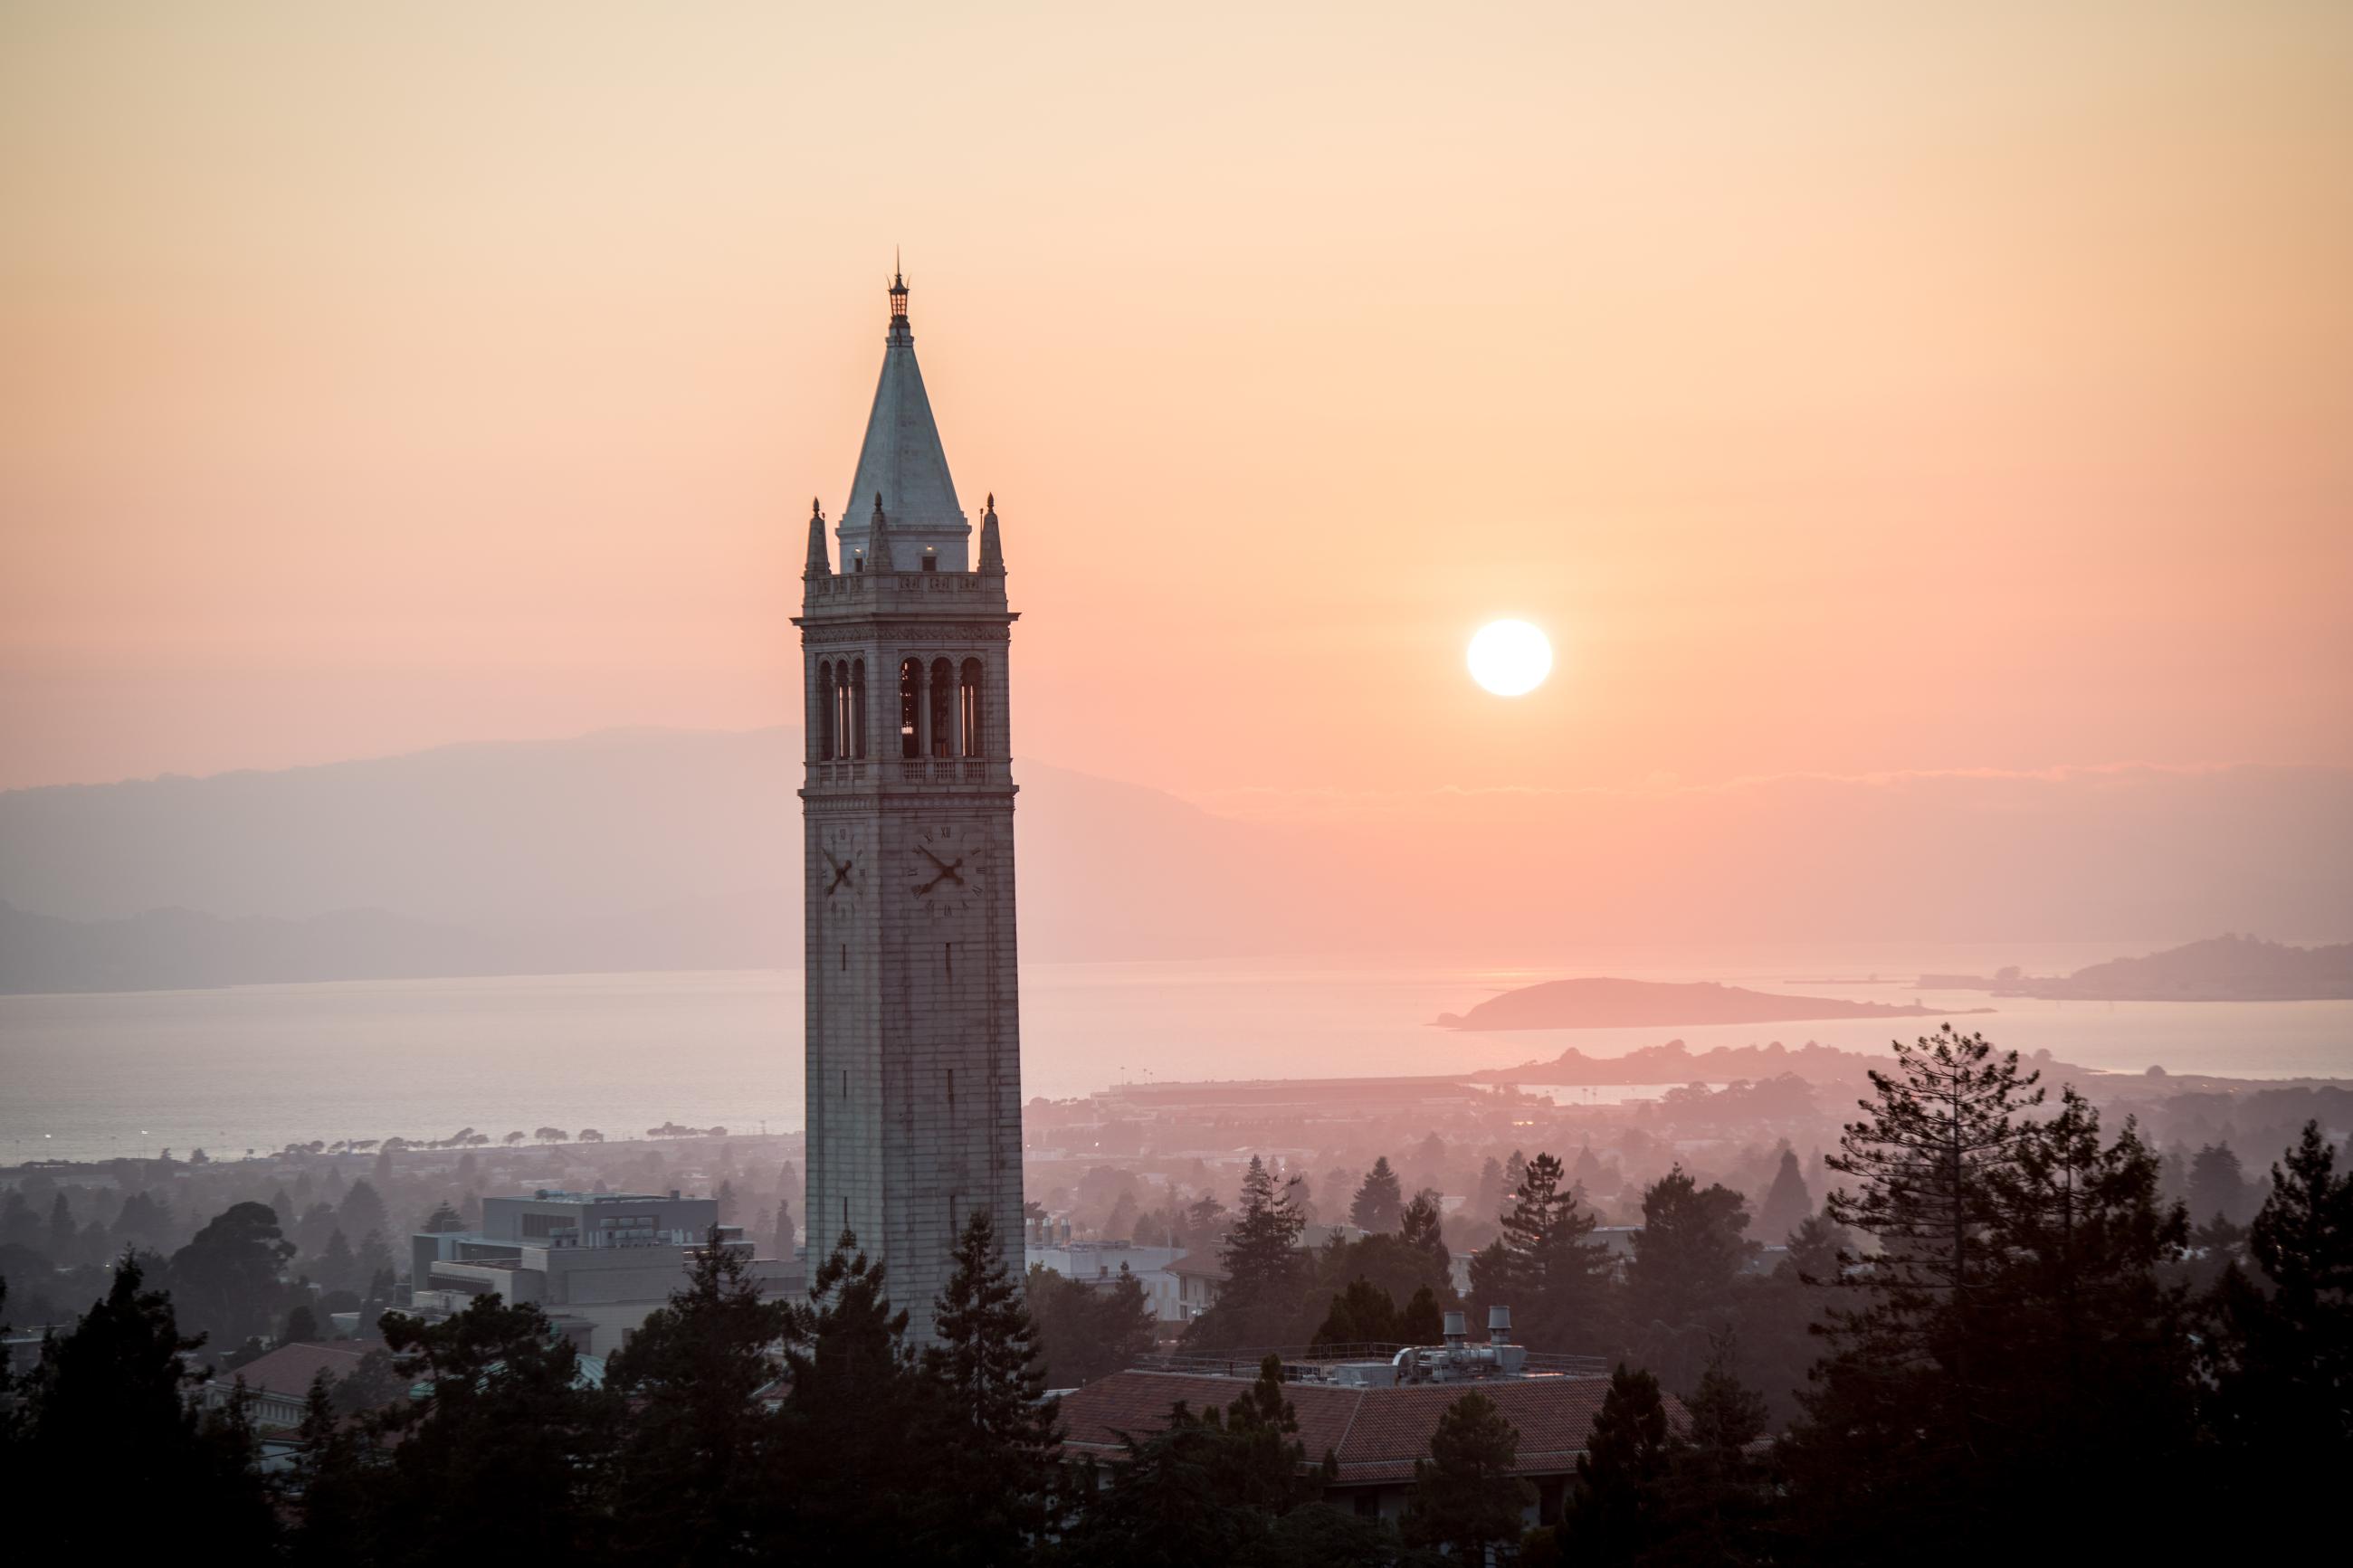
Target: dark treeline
2016	1346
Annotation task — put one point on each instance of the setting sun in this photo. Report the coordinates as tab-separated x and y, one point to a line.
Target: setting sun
1510	658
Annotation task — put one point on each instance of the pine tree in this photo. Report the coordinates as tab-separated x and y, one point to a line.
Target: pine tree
1622	1475
1379	1203
115	1390
1690	1249
329	1490
1423	1321
1000	1437
700	1447
1466	1498
2279	1349
1944	1125
505	1415
2016	1325
337	1269
1364	1313
856	1467
1545	1267
2218	1185
362	1212
1422	1227
1265	1272
1716	1502
1786	1202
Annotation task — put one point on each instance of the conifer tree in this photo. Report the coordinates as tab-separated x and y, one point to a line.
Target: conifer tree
1690	1249
115	1392
856	1422
2279	1350
1546	1269
1942	1127
1379	1203
1422	1227
1786	1202
1364	1313
1265	1270
1466	1498
1422	1322
1622	1475
999	1436
329	1490
699	1450
2218	1185
2015	1324
505	1415
1717	1507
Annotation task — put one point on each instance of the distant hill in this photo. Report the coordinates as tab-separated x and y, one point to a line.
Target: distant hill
170	949
2220	969
1623	1004
668	849
639	849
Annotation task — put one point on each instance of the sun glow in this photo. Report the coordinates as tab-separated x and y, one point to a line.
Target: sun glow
1510	658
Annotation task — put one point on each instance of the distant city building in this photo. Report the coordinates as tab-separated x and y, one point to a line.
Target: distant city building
1097	1264
912	1030
1373	1408
596	1263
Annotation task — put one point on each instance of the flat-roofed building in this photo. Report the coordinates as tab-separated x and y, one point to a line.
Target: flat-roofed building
596	1263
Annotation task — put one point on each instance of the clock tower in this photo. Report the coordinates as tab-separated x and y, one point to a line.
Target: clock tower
914	1033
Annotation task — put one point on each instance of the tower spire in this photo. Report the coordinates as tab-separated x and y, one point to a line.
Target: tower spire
818	564
992	546
877	540
901	460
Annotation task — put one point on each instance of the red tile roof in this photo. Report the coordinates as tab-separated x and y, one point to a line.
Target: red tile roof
1376	1433
288	1369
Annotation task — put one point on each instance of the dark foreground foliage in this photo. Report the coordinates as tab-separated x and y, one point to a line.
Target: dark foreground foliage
2022	1352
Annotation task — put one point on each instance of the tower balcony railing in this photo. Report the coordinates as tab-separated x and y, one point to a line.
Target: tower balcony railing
912	770
944	770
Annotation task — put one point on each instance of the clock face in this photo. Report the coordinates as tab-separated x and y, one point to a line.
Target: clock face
945	868
842	871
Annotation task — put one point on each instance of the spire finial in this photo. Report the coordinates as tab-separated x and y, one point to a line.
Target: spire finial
819	563
992	544
898	287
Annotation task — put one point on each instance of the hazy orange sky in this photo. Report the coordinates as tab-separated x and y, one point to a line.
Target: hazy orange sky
1846	387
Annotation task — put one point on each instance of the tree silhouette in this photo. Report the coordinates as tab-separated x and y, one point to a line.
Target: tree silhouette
1379	1203
1465	1496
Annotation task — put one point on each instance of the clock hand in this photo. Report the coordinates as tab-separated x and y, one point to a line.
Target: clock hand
934	858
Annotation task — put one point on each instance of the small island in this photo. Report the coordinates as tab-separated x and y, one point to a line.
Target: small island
1601	1004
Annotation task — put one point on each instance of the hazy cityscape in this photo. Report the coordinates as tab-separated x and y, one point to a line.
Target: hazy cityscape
1565	786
